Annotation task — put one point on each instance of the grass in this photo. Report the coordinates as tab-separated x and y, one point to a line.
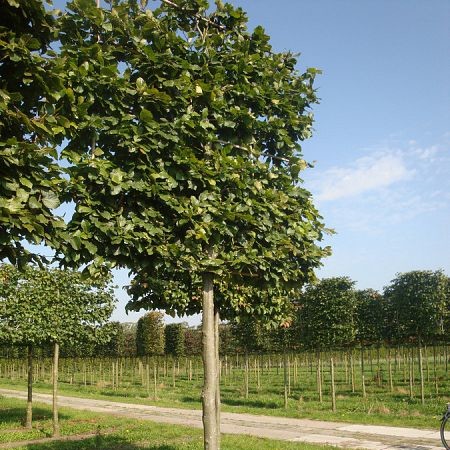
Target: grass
111	433
93	379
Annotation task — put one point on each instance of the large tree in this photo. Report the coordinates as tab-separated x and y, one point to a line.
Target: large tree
185	160
30	128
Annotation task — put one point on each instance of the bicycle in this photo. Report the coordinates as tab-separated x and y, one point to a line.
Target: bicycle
445	419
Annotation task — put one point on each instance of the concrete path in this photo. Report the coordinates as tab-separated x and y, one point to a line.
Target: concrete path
296	430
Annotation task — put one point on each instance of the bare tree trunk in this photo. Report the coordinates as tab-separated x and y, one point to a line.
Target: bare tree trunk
217	341
55	390
422	387
211	431
29	417
285	376
319	376
333	386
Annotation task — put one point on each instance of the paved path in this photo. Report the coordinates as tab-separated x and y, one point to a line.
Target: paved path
296	430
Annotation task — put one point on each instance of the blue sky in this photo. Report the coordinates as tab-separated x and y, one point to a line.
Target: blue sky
382	133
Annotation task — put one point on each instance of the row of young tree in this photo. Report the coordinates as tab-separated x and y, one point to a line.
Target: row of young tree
413	309
332	314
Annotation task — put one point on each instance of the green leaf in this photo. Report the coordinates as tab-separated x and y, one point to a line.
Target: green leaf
146	116
50	199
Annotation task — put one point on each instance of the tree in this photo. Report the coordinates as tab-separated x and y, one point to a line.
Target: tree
174	339
150	334
326	315
185	160
129	329
250	336
53	306
115	347
371	317
418	302
193	341
30	127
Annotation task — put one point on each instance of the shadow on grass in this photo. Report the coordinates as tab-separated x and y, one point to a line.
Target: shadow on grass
14	415
250	403
236	402
188	399
97	443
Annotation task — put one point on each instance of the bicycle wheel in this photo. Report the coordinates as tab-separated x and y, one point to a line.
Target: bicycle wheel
445	431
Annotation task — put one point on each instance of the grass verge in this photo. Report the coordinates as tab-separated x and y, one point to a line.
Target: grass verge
111	433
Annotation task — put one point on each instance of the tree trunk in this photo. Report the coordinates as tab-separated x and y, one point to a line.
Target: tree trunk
333	386
29	417
422	387
216	342
319	376
285	377
55	390
211	430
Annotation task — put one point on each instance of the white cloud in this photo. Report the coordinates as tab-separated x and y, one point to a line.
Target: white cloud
366	174
427	153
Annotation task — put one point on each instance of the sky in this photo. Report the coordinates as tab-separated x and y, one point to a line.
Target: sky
381	143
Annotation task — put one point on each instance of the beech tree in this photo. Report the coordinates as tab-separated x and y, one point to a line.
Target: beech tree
150	334
174	339
30	128
326	315
184	161
371	317
52	306
418	304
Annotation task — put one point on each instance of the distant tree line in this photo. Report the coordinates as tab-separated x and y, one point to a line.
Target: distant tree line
331	314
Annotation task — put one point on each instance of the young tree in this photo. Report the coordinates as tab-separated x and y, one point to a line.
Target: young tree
174	339
150	334
371	317
193	341
185	159
418	302
53	306
326	315
115	347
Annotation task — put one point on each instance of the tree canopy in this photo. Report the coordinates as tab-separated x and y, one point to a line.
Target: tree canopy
30	128
197	131
39	306
418	304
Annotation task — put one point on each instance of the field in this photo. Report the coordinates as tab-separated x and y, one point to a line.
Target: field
92	431
376	386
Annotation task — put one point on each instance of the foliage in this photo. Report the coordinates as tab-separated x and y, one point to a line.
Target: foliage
30	128
418	302
250	336
174	339
371	317
196	157
51	305
150	334
193	341
326	314
116	344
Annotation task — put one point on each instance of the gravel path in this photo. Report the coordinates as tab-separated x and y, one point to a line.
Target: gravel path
342	435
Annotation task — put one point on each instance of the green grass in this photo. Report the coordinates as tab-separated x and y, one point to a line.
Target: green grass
380	406
113	433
